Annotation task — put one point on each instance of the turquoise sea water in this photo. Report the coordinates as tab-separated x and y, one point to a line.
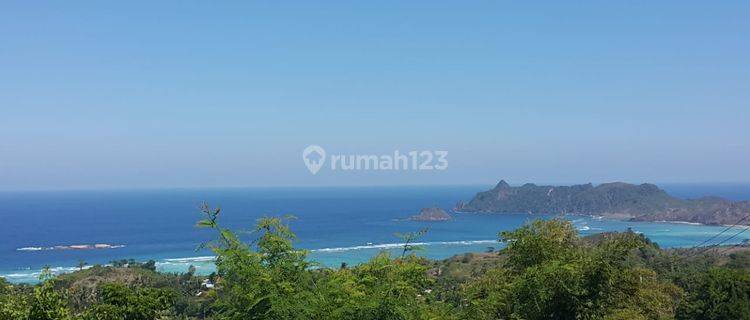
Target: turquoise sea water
337	224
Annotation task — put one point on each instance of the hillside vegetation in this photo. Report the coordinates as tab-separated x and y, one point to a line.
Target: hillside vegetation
545	271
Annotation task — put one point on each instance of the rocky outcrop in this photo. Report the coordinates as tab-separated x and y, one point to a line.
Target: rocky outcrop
431	214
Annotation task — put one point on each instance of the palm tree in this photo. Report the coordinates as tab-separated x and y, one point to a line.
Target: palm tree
81	264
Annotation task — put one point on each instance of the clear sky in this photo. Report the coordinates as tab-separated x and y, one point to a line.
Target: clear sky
132	94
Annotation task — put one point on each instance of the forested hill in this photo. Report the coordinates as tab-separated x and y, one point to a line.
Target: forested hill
644	202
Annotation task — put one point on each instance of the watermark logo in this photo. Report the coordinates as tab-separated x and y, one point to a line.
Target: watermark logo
314	157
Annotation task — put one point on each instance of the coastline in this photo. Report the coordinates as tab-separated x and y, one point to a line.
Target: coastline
680	235
624	217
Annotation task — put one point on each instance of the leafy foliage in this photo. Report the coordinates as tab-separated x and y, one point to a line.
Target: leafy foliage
270	279
46	303
718	294
552	274
117	301
15	301
546	271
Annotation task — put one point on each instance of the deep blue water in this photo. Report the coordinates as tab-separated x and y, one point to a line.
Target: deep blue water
337	224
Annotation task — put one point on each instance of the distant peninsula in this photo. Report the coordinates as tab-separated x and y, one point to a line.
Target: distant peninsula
431	214
644	202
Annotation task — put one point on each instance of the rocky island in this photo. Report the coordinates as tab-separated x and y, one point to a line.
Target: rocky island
431	214
644	202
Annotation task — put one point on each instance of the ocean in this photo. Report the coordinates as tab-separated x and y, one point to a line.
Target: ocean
342	224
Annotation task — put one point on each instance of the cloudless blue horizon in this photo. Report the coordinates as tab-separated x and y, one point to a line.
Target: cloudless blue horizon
189	94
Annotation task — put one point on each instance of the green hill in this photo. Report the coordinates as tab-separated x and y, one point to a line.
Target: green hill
644	202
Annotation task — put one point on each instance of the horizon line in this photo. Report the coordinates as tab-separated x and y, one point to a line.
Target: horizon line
306	186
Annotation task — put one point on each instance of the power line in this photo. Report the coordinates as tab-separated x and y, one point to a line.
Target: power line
720	233
718	244
736	245
716	236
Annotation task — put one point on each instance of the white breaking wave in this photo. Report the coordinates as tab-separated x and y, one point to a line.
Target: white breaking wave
30	249
399	245
97	246
190	259
37	273
681	222
30	275
338	249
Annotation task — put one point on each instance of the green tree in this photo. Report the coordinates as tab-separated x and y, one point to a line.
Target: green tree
408	241
14	301
119	302
539	242
265	280
739	260
718	294
553	274
268	278
47	303
394	289
490	296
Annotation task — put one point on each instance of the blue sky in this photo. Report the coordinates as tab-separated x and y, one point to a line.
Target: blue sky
190	94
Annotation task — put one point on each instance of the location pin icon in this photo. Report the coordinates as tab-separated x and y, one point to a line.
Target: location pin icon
314	156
